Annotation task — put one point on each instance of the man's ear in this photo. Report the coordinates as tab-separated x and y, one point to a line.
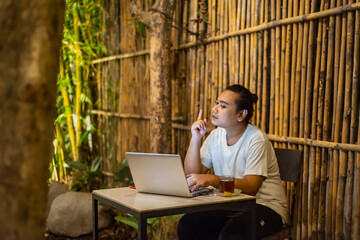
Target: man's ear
242	115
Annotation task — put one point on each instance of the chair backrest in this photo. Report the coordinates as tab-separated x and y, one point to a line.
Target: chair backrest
289	161
290	165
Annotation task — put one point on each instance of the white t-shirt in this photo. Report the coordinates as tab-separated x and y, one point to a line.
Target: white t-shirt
252	154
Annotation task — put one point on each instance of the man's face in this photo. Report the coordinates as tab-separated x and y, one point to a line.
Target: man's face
224	112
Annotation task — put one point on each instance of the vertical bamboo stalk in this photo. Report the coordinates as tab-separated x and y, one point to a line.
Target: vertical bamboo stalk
67	107
265	71
251	46
306	82
247	46
339	231
207	60
272	70
293	68
317	105
339	112
237	43
353	126
296	124
213	52
282	68
78	83
284	86
216	23
259	88
231	53
242	43
327	123
220	45
197	93
254	49
321	158
225	65
356	78
277	66
287	73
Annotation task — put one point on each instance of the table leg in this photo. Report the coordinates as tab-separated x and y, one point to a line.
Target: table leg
95	219
253	221
142	228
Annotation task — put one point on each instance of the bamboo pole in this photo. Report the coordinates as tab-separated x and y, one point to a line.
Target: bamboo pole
327	123
272	70
68	111
287	69
349	223
231	47
220	21
339	113
78	84
304	226
242	44
265	72
215	55
357	163
321	157
226	42
255	49
315	143
247	46
259	88
237	43
315	105
193	61
293	68
339	231
284	86
302	120
206	13
282	67
277	65
197	94
212	59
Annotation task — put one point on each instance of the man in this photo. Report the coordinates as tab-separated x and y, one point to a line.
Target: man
235	148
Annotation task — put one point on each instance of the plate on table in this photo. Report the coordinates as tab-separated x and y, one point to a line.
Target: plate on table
228	194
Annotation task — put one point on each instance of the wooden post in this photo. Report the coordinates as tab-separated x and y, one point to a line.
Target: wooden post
157	20
31	33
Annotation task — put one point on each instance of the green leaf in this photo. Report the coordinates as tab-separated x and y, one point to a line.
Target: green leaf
95	164
122	173
153	221
96	173
60	118
130	221
77	165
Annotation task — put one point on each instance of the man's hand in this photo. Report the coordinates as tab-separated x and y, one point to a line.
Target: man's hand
198	128
196	181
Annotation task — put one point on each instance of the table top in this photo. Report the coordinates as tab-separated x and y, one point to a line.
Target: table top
145	202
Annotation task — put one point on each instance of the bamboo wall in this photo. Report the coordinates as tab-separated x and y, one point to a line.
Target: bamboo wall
300	57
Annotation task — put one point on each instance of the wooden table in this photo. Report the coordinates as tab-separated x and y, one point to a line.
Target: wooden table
144	205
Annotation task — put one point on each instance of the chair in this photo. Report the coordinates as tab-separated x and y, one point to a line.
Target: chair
290	164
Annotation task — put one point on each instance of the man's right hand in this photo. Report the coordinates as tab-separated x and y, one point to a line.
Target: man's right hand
198	128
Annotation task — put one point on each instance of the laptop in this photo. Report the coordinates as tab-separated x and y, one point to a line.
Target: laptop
160	174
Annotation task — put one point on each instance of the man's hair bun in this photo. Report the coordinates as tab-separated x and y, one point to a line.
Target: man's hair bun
254	98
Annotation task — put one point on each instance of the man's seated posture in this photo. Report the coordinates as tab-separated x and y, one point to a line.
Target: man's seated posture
240	149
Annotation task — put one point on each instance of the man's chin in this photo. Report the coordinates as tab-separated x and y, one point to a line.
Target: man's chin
214	124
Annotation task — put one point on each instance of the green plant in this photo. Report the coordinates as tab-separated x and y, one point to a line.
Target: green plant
75	155
122	173
159	227
84	177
